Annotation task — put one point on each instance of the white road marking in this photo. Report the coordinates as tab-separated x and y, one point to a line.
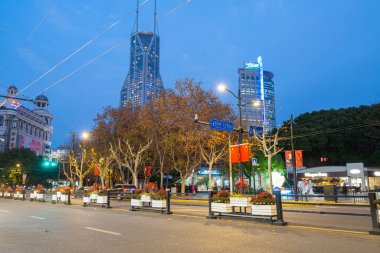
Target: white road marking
104	231
4	211
39	218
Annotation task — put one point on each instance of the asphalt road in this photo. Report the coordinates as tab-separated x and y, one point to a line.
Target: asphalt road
34	227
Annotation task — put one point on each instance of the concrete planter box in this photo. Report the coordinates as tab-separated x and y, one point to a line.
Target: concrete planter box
59	194
101	200
64	198
7	194
265	210
40	197
159	203
136	202
54	198
221	207
93	197
86	200
243	202
146	198
17	195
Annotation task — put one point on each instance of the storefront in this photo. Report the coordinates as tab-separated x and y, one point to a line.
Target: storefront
353	175
200	178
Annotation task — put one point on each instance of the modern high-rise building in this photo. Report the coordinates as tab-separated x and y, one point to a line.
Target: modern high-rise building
257	93
143	82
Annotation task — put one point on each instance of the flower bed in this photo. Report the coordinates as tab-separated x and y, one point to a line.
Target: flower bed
158	199
221	202
264	205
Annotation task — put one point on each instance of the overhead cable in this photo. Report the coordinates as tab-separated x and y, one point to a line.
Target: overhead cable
81	48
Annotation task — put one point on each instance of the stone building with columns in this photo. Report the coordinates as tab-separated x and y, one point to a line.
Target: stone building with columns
21	127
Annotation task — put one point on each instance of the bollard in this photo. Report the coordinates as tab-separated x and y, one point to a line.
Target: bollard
168	202
280	218
374	214
68	198
108	199
210	212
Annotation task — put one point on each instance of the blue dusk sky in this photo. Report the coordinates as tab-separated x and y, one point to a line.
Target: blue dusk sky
324	54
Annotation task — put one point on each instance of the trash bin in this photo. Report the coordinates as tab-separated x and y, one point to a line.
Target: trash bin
329	192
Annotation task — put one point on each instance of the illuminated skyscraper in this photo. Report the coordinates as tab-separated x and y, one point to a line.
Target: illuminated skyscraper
257	89
143	82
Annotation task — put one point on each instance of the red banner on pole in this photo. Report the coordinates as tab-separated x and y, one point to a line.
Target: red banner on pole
299	159
289	158
244	153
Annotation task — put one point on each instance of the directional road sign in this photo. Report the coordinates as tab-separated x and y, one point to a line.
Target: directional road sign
221	125
258	129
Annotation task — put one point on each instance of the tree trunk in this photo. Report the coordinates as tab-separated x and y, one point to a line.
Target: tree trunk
80	182
121	173
102	181
270	173
183	185
162	179
210	175
135	180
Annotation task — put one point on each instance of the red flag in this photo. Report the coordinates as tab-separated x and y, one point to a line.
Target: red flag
234	153
96	171
244	153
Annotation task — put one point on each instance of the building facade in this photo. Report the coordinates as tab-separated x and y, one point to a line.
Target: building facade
21	127
257	93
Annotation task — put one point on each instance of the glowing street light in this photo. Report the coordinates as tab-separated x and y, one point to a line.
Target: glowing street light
221	87
85	135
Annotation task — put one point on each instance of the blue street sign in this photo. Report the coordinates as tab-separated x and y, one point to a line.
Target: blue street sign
168	176
221	125
259	130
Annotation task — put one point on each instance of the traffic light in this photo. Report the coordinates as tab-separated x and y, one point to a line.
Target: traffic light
49	164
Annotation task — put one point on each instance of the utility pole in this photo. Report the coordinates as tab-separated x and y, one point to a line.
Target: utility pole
293	160
240	136
230	165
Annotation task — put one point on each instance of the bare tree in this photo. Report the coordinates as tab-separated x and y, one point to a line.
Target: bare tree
269	145
214	150
102	162
129	156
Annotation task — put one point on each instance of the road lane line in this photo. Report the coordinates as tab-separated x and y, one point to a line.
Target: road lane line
103	231
328	229
4	211
36	217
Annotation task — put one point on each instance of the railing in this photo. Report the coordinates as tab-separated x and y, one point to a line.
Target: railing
322	198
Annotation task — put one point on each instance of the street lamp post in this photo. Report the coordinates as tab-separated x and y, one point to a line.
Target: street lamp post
222	87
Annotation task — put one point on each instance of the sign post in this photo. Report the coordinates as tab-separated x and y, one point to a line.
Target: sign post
254	165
